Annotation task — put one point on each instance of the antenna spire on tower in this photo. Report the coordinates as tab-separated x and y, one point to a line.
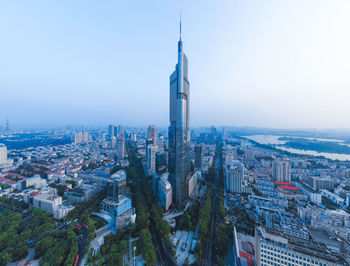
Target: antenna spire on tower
7	124
180	26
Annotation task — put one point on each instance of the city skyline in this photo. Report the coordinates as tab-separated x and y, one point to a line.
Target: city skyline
136	159
276	64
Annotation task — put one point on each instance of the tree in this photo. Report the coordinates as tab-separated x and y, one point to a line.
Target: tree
164	228
145	246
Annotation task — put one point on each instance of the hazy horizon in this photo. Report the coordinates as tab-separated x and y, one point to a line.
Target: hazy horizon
265	64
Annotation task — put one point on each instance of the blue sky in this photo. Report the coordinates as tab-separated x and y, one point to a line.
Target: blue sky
251	63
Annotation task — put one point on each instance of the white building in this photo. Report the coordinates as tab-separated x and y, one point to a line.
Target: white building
81	137
4	161
234	176
273	248
333	197
312	194
113	142
281	170
3	154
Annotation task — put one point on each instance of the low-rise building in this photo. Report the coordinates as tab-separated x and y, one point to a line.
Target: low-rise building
275	248
333	197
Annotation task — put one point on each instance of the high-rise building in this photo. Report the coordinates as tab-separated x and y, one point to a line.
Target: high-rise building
212	135
120	131
133	137
152	134
198	156
161	161
281	170
179	129
81	137
151	159
121	147
117	186
230	154
160	143
111	129
234	177
113	142
3	154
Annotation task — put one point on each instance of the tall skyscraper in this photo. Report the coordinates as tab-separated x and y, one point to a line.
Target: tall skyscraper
198	157
121	147
112	131
120	131
160	143
151	158
113	142
179	129
152	134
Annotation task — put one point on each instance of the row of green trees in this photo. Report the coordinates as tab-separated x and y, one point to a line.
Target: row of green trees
189	219
224	231
145	246
16	231
113	249
147	209
57	248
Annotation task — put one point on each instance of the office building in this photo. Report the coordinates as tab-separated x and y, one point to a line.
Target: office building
160	143
116	186
281	170
121	153
151	159
212	135
113	142
165	193
179	129
111	131
161	161
120	131
51	203
198	157
116	208
152	134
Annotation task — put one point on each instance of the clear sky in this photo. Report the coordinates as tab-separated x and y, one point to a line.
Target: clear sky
281	64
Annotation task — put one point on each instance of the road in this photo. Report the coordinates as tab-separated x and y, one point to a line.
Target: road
82	242
210	244
99	239
164	256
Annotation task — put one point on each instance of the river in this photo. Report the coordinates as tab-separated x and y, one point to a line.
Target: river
278	144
